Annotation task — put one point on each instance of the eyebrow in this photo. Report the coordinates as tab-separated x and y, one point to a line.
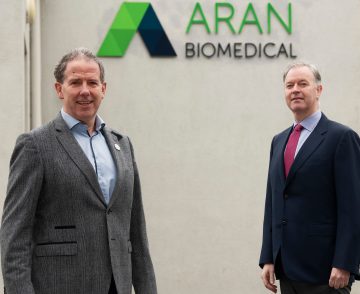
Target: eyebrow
95	79
302	80
73	79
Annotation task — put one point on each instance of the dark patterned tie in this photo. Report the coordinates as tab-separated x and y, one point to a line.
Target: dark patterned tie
291	148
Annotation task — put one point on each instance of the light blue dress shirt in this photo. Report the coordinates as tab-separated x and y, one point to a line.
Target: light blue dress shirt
96	150
309	125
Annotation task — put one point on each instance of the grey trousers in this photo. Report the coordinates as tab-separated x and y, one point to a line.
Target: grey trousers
291	287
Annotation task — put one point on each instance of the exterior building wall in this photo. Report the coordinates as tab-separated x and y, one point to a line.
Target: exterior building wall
13	111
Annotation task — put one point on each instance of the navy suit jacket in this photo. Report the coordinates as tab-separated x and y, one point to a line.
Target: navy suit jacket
313	216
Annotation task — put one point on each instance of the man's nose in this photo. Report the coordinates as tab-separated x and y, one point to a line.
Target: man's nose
295	88
84	90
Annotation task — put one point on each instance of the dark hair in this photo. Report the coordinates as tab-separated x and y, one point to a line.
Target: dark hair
312	67
75	54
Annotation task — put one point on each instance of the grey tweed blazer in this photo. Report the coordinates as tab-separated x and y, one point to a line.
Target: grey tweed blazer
58	236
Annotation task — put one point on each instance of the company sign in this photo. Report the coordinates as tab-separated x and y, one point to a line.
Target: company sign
134	17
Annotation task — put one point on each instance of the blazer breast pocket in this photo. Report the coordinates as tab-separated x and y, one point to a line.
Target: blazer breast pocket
56	249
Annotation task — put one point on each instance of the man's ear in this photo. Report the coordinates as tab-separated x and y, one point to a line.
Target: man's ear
319	89
103	88
58	89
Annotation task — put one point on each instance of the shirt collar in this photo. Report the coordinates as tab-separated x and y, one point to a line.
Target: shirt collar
71	122
311	121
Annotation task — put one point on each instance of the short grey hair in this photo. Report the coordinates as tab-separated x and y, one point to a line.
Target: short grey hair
76	53
310	66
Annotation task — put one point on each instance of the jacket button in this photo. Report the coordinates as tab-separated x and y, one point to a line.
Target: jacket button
286	196
284	222
109	211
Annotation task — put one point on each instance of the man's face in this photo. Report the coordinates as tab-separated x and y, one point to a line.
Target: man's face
302	92
82	90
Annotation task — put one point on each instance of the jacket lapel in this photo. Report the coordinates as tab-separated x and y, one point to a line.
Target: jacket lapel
72	148
311	144
115	145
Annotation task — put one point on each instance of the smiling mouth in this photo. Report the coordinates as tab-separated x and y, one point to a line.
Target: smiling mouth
84	102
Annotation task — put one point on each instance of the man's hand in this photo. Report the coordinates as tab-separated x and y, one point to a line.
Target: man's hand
339	278
268	277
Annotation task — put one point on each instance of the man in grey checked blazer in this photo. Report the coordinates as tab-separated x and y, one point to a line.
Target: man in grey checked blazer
59	233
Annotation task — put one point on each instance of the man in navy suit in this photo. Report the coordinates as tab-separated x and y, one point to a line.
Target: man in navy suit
311	234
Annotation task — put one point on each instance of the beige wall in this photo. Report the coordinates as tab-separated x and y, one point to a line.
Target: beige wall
13	82
201	128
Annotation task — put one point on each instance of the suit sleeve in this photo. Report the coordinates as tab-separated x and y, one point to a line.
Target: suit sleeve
266	255
143	275
347	185
24	186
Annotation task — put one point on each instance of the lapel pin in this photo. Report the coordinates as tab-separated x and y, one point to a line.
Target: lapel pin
117	147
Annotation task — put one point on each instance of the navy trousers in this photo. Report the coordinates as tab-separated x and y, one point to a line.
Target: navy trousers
291	287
